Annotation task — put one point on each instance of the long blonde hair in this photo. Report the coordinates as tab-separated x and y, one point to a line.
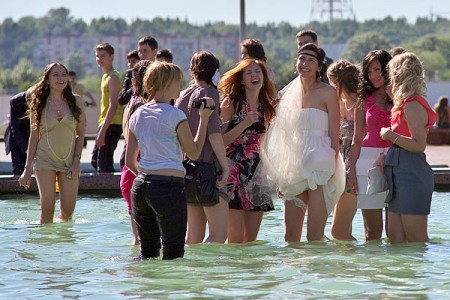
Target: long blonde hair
407	78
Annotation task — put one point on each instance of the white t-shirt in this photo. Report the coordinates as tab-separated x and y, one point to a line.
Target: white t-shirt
155	125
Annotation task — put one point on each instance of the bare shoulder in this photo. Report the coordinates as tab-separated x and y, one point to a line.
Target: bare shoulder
328	93
114	78
226	101
226	109
227	104
328	89
415	109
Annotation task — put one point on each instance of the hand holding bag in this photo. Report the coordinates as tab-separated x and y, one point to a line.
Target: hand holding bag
377	181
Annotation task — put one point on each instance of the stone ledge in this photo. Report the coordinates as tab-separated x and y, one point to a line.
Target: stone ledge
438	136
89	182
100	183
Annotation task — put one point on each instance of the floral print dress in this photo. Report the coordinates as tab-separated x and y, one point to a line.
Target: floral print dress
244	156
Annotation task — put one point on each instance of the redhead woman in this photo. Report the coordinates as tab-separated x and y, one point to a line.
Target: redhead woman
55	144
247	111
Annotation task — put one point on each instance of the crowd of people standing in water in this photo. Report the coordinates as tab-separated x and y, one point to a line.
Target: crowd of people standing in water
217	154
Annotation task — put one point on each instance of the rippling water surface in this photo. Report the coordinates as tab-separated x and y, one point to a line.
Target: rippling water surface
91	258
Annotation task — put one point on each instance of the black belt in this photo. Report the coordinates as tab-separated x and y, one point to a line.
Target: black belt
173	179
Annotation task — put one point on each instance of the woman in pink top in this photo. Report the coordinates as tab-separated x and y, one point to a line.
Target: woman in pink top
409	176
372	113
138	98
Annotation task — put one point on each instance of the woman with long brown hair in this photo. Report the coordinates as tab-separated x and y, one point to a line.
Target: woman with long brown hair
372	112
247	111
344	77
56	142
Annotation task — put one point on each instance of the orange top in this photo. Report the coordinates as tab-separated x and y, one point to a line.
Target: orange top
399	124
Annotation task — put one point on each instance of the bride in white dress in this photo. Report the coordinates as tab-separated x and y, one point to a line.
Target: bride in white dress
301	153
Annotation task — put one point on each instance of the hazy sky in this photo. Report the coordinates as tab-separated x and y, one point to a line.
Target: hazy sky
296	12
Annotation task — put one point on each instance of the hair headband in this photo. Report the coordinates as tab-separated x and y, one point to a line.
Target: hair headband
307	53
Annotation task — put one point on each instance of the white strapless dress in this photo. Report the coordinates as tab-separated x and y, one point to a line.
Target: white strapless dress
300	157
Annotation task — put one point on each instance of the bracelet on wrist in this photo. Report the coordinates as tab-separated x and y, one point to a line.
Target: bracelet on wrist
395	140
76	155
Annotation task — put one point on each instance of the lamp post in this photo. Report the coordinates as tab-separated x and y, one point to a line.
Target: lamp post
242	27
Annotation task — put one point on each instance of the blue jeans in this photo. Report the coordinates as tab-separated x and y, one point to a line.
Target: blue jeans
160	213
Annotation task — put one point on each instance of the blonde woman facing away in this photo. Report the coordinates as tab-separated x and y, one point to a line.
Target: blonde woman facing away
409	176
160	133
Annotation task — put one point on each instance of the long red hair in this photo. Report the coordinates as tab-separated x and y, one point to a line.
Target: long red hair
231	86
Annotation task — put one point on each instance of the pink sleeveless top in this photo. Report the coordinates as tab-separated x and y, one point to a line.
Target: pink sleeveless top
399	124
376	118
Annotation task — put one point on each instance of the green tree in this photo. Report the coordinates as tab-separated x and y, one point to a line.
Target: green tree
433	50
57	22
434	63
108	26
24	75
75	61
6	80
361	44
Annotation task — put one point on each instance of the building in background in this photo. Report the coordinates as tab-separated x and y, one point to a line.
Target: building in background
51	49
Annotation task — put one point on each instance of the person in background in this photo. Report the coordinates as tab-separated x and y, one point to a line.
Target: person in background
309	36
17	132
164	55
372	112
78	89
159	133
111	113
252	48
55	143
303	149
344	77
127	91
205	209
442	110
147	48
409	176
139	98
397	50
247	109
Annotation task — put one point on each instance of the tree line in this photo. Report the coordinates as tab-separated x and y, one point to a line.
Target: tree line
429	38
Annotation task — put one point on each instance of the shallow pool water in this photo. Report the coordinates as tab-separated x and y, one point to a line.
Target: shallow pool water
91	258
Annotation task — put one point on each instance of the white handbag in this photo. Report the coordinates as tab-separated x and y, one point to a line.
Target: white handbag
377	181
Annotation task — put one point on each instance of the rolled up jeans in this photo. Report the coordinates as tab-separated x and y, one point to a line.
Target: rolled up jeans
160	213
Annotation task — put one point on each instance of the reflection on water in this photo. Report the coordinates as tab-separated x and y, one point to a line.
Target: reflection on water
92	257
